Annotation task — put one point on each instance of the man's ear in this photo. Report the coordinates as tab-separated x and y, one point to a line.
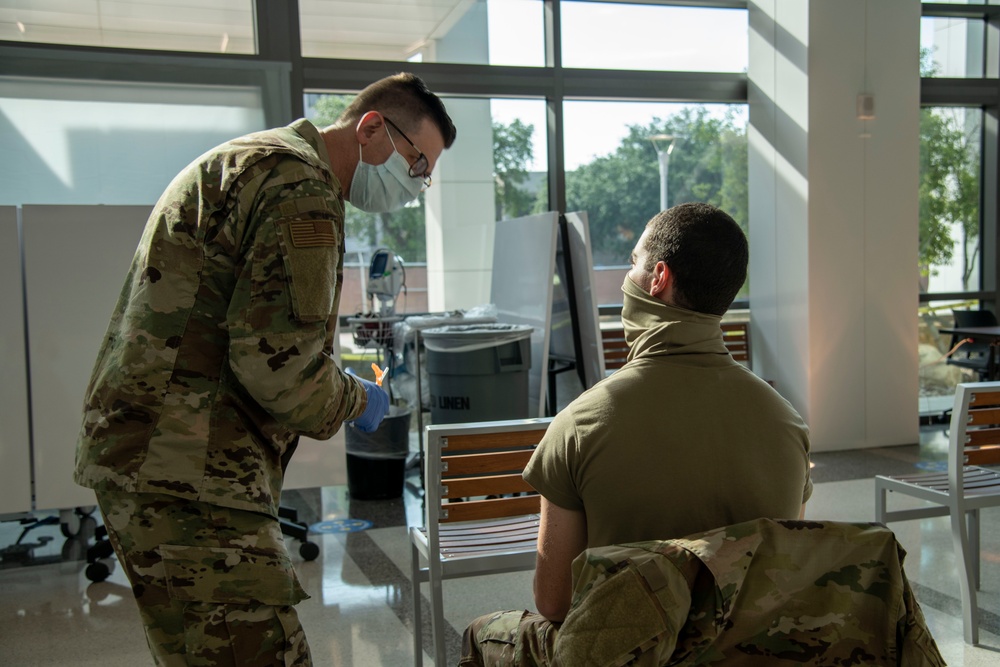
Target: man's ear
661	280
368	126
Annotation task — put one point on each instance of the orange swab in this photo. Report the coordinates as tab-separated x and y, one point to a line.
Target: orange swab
379	373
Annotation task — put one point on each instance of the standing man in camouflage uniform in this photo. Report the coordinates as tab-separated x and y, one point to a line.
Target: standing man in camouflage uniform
219	355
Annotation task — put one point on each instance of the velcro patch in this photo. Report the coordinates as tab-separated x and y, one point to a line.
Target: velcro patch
312	233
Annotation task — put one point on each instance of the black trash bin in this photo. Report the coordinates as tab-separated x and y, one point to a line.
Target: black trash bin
376	462
478	372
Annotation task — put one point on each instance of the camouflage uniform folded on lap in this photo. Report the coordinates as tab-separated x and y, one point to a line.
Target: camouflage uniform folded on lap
758	593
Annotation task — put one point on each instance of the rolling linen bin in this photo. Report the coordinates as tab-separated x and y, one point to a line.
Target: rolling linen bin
376	461
478	372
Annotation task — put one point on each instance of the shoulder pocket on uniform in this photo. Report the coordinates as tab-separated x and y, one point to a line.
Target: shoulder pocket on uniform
619	618
310	251
229	576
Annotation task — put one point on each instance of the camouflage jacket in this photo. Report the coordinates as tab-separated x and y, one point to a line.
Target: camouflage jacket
761	592
218	354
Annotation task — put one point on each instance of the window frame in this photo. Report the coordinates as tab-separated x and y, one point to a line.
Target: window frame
983	93
284	76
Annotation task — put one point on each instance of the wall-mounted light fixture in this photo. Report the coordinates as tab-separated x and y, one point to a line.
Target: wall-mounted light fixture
866	106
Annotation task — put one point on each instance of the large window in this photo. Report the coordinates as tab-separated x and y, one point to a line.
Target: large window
519	167
93	142
211	26
951	236
614	35
619	129
474	35
950	166
495	32
626	160
957	213
520	162
951	47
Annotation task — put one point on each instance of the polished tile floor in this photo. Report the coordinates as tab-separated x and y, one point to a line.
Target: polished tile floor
359	610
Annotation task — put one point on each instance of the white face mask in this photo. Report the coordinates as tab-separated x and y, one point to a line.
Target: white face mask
380	188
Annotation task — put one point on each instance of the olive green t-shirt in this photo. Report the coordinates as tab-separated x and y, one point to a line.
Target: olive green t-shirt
681	440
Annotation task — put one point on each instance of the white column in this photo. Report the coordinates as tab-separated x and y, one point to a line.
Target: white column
834	214
460	213
459	206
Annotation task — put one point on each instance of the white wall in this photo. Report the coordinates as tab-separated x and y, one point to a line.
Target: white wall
460	209
833	214
460	213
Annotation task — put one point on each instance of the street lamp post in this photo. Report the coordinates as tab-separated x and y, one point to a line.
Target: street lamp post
664	145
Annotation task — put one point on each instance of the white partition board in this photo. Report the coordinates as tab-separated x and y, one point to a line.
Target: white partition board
15	446
69	308
592	353
75	260
524	264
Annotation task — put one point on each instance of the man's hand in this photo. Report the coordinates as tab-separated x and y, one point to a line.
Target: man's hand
377	408
562	537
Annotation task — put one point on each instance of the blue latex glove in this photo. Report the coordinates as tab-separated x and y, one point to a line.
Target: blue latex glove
377	408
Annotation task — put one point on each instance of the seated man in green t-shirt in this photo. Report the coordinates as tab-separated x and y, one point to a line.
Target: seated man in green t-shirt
680	440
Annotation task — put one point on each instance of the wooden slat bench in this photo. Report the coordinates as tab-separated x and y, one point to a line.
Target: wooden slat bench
736	336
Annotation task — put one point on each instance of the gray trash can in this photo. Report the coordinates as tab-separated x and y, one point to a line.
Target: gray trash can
376	462
478	372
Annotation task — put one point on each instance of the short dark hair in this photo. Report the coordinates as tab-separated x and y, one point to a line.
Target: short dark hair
705	250
406	100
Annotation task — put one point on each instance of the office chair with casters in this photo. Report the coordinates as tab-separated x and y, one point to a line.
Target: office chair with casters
97	569
974	355
960	492
291	526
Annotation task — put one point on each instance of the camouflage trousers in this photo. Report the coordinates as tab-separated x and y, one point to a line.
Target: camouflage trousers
509	639
215	586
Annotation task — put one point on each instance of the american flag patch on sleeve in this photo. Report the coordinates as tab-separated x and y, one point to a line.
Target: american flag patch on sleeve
312	233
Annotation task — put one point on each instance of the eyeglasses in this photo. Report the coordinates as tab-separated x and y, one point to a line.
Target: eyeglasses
419	168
